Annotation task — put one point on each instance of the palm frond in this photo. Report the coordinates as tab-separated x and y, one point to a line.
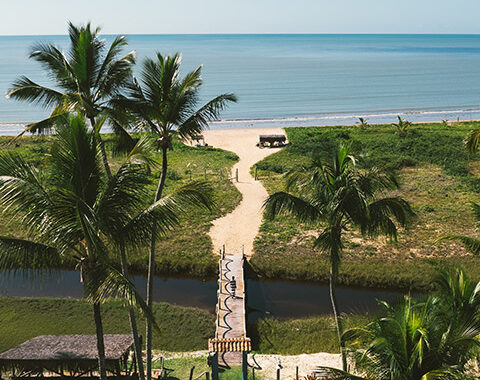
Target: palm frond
106	282
472	141
18	254
282	203
26	90
165	213
471	244
210	111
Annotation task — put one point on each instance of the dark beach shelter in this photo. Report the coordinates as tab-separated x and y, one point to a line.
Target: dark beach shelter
271	140
68	355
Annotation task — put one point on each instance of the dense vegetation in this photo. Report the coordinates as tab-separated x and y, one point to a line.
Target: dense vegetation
188	249
437	177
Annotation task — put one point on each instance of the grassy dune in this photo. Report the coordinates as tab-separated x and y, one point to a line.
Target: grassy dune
437	177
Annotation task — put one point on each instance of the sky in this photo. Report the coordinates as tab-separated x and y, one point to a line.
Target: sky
20	17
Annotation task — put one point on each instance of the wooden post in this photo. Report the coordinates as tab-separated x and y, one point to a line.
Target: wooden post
296	373
278	373
236	174
256	177
244	366
191	373
215	366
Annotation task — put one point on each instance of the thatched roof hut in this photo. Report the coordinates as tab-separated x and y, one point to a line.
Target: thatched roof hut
70	352
271	140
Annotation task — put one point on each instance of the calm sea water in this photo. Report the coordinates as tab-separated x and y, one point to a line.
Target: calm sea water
299	79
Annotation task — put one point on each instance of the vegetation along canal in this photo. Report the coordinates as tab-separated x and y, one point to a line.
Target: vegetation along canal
281	299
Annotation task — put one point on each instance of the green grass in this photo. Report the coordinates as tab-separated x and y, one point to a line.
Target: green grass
299	336
181	328
437	177
186	251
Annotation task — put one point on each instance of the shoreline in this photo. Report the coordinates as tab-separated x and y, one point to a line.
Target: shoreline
321	120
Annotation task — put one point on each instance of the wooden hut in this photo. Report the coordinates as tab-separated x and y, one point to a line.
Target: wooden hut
68	355
271	140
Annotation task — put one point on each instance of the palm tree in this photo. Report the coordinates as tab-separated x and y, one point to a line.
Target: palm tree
73	212
472	141
85	79
417	340
402	126
166	105
363	123
471	244
335	197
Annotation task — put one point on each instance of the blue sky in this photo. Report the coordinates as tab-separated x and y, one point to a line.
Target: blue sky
242	16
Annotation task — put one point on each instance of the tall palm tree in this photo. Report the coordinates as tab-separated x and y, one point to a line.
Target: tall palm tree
85	79
72	211
418	340
336	197
166	105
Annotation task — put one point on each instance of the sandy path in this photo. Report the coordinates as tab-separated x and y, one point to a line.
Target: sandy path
240	227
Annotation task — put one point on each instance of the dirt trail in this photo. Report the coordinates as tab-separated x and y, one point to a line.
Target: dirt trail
241	226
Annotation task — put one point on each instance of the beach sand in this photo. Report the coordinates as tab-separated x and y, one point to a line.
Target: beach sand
240	227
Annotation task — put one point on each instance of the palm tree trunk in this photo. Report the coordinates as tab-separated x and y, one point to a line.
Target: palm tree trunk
338	321
151	266
133	321
102	150
100	342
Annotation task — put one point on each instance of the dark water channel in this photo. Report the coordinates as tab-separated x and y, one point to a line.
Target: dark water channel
281	299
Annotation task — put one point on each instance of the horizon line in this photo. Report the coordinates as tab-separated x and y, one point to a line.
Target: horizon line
254	34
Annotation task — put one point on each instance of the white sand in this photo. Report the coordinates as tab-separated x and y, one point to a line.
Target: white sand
306	364
240	227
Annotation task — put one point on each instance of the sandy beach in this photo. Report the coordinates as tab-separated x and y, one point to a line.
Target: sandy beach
240	227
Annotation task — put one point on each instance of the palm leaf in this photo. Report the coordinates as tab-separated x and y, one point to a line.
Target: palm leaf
471	244
18	254
282	203
106	282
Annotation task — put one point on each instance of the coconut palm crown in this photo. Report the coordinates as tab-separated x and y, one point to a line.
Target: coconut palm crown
336	197
85	78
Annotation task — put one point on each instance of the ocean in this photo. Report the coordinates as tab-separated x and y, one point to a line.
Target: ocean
287	80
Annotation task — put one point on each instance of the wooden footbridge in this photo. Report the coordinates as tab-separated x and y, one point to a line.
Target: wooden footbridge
231	344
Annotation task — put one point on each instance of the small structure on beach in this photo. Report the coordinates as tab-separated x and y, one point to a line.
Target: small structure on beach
199	140
68	355
271	141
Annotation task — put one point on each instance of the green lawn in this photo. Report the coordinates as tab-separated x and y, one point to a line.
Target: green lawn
437	177
187	250
300	336
181	328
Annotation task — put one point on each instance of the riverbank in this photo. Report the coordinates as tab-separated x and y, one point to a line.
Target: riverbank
181	328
